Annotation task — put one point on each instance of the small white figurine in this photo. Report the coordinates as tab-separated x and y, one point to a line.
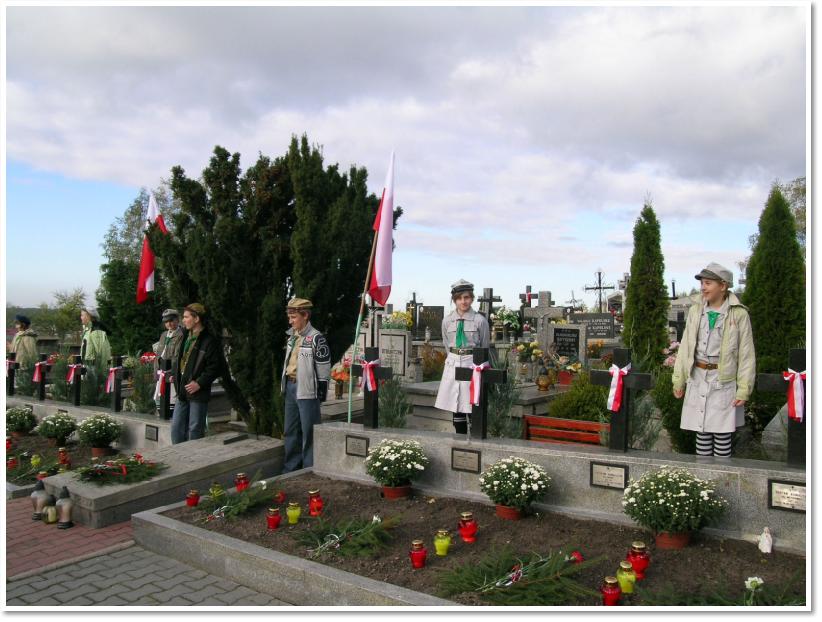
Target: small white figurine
765	541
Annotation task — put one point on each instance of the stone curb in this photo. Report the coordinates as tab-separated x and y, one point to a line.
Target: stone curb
73	560
282	576
13	491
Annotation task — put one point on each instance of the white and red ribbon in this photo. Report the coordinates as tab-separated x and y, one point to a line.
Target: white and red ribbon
475	388
73	369
796	393
112	373
9	365
615	392
368	377
160	389
38	372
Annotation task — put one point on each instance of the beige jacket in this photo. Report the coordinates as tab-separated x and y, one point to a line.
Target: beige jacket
737	359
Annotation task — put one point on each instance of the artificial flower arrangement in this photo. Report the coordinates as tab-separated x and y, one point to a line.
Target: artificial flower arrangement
401	320
19	419
595	348
99	430
396	463
672	500
341	372
148	358
57	426
514	482
506	317
670	353
528	351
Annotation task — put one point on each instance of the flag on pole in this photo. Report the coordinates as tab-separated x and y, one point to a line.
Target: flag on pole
380	287
145	281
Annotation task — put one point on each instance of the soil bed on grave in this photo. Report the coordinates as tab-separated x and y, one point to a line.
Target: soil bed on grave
26	446
707	565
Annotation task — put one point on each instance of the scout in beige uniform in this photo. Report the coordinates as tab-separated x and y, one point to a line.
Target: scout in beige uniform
462	330
715	365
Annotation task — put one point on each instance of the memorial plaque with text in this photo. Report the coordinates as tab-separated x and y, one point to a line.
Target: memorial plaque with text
152	432
598	325
394	350
467	460
606	475
431	317
567	340
356	446
789	496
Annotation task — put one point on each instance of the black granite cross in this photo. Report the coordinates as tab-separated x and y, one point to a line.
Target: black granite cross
487	302
165	393
413	307
679	324
371	401
77	378
479	413
796	429
11	369
117	392
45	368
634	381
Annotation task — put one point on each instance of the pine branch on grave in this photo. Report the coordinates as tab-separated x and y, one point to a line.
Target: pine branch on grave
25	471
355	537
790	593
504	578
229	506
120	471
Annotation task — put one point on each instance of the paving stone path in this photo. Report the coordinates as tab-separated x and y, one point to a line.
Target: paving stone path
132	576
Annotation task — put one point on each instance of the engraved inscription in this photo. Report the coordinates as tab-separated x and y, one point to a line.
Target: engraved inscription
152	432
609	475
788	496
465	460
356	446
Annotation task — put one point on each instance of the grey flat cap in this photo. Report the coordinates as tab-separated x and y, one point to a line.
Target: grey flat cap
92	312
461	286
716	272
169	314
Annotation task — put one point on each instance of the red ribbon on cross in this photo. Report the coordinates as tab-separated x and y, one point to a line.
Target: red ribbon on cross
112	373
9	365
615	391
160	389
475	388
368	377
38	372
72	369
796	393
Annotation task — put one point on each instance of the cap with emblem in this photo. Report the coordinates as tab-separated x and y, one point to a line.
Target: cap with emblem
716	272
170	314
461	286
300	304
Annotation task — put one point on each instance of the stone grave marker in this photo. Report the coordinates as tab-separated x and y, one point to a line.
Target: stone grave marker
486	302
538	317
394	350
598	325
430	317
570	339
778	383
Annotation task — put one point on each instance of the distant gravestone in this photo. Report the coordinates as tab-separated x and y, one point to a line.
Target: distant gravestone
393	348
570	339
598	325
431	317
539	317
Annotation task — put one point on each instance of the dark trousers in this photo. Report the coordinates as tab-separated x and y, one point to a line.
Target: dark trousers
300	418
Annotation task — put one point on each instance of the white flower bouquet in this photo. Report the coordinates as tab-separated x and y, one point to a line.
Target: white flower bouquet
672	500
514	482
99	430
58	426
395	463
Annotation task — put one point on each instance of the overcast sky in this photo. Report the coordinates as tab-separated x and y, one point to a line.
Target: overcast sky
526	138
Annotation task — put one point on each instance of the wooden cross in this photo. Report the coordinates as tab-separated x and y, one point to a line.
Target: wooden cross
525	299
487	302
796	429
413	307
45	368
77	378
634	381
117	392
11	368
679	324
371	401
478	423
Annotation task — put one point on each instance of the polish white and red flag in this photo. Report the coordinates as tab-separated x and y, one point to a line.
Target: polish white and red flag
145	281
380	287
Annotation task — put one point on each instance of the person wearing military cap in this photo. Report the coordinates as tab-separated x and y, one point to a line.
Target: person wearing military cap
715	365
94	349
462	330
24	343
304	383
199	364
168	346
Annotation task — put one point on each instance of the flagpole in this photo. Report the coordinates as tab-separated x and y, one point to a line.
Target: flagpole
359	322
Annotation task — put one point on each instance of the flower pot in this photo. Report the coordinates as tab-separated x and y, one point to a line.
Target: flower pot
100	452
565	377
396	492
509	513
679	540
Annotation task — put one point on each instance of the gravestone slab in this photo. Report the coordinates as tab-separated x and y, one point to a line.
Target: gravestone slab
597	325
431	317
193	464
545	311
571	339
394	350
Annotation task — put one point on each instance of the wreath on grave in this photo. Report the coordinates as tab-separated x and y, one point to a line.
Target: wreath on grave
128	470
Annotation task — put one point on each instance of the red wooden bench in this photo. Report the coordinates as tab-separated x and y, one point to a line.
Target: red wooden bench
553	430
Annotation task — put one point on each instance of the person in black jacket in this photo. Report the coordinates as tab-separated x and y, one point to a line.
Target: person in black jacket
198	365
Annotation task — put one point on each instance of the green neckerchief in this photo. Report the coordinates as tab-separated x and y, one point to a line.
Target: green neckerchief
461	340
187	346
712	315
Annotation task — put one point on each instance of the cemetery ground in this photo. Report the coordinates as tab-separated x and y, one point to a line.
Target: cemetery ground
709	566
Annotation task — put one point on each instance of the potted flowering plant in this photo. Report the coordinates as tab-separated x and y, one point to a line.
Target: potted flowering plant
57	428
672	503
393	464
99	431
340	374
513	484
20	421
398	320
506	319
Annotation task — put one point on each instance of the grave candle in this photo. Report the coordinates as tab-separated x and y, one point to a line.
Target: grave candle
468	527
63	457
64	506
639	558
273	518
279	497
50	514
193	498
315	503
293	512
8	443
241	482
11	463
626	577
417	554
42	475
442	541
610	591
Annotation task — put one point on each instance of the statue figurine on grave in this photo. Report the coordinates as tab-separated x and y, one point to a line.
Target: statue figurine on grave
462	330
